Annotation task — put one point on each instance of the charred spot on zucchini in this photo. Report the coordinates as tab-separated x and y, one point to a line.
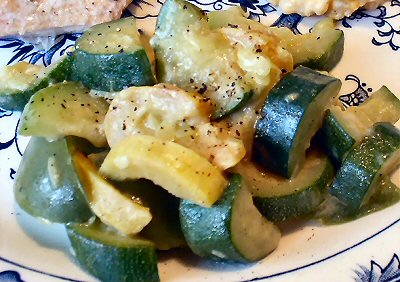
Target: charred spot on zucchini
47	184
280	199
110	57
376	156
342	130
109	256
291	115
64	109
20	81
197	59
232	229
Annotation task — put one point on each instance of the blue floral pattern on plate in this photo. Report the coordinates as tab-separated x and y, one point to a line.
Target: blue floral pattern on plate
10	276
377	273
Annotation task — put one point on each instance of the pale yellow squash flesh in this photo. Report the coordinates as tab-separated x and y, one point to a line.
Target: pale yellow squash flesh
179	170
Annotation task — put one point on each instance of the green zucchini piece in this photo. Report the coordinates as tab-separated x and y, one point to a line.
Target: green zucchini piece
47	184
164	229
111	257
110	57
291	115
20	81
376	156
197	59
280	199
320	49
232	229
342	130
65	109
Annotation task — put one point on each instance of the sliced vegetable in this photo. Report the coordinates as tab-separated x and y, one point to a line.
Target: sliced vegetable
109	256
280	199
179	170
110	206
20	81
111	57
65	109
344	129
292	114
47	184
320	49
232	229
172	114
377	155
197	59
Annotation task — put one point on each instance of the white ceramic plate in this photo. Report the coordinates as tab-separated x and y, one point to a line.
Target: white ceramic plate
367	249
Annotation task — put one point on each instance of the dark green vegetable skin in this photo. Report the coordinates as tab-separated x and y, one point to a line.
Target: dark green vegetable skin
282	117
17	101
299	204
209	229
113	258
56	198
360	171
112	72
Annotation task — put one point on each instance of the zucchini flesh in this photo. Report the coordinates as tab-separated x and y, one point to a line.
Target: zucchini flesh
291	115
197	59
20	81
342	130
280	199
321	49
64	109
232	229
179	170
377	155
110	57
109	256
52	190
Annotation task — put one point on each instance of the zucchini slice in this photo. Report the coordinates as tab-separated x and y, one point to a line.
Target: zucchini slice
47	184
109	256
171	114
376	156
20	81
342	130
65	109
232	229
291	115
320	49
107	203
110	57
197	59
280	199
179	170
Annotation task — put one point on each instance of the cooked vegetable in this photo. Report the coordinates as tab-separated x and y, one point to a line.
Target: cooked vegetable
109	256
320	49
179	170
111	57
197	59
172	114
47	184
376	156
20	81
342	130
107	203
280	199
64	109
292	114
232	229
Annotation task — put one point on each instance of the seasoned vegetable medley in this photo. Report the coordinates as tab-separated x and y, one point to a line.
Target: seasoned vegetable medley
206	137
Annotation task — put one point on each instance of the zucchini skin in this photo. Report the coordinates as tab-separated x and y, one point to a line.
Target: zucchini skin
58	197
112	72
282	117
359	174
16	101
111	260
299	204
